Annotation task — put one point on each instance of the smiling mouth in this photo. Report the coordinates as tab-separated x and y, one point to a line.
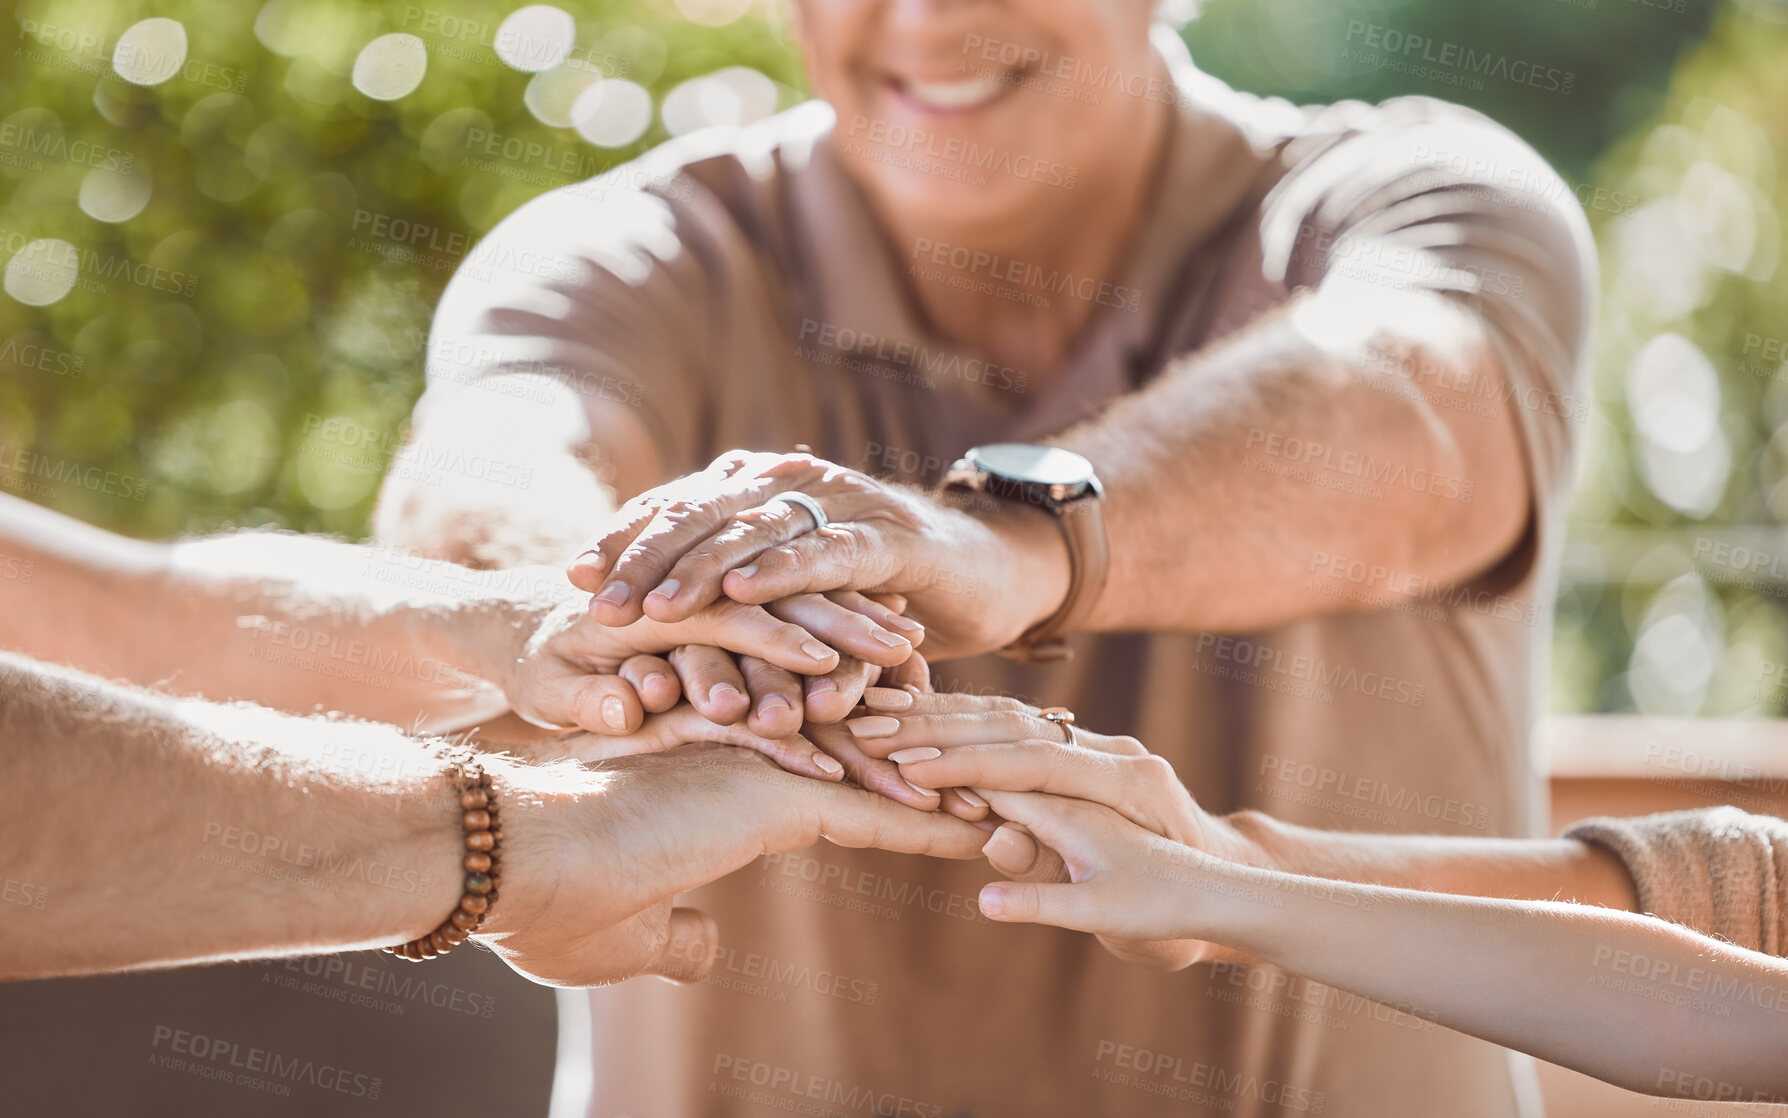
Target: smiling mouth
957	95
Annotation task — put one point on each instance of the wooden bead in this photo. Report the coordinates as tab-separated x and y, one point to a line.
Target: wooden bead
438	939
462	920
454	933
474	905
473	798
426	949
476	820
478	883
481	840
478	862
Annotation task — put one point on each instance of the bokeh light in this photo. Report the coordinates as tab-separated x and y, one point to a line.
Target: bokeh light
391	66
151	51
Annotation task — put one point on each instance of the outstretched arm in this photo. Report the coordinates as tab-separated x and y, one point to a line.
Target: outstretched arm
1629	999
304	623
148	831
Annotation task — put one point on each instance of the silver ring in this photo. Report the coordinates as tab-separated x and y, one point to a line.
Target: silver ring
806	502
1064	718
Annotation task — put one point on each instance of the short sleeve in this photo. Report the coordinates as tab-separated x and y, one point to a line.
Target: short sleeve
596	286
1417	195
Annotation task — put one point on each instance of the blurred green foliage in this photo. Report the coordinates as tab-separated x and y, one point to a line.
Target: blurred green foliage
211	330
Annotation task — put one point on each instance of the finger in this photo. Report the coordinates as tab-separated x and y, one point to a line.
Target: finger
866	605
834	695
895	602
689	951
601	704
694	579
680	525
776	700
912	675
684	724
849	631
963	804
852	554
1019	902
654	680
751	630
712	681
587	570
870	773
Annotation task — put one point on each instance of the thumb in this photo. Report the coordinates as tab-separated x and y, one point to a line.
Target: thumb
601	704
690	947
1030	902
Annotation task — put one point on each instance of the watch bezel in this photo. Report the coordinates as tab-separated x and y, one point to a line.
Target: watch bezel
1035	490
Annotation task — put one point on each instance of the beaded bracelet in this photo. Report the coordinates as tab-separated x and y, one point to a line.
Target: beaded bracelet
479	807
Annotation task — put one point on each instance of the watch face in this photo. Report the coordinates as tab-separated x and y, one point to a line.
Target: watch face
1031	464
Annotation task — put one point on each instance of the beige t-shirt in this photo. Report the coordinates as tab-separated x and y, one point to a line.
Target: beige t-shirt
729	285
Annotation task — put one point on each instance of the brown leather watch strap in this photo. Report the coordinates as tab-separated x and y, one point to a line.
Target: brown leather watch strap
1089	563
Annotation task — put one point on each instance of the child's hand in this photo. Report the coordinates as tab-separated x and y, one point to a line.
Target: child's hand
1125	883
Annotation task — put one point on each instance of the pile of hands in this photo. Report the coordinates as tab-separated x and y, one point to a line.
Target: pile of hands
773	674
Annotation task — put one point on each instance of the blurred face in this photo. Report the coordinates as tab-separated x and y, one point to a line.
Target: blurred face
977	110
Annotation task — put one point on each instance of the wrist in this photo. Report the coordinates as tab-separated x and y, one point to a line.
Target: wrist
1034	562
486	629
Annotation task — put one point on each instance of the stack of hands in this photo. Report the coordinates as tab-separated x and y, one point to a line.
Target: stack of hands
717	615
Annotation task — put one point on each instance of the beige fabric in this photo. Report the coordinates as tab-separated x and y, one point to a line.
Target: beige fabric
751	303
1720	871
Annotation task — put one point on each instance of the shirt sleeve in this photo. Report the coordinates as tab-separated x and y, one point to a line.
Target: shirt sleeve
597	286
1720	871
1420	196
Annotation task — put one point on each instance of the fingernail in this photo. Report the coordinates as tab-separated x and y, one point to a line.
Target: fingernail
588	559
890	640
993	899
653	681
666	589
916	753
747	570
919	789
1004	845
816	651
722	692
822	685
888	698
827	764
873	726
774	702
615	594
905	624
970	798
614	713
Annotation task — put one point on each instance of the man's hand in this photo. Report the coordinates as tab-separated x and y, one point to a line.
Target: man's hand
976	579
592	860
561	668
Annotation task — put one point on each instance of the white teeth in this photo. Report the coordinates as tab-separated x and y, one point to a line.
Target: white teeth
965	94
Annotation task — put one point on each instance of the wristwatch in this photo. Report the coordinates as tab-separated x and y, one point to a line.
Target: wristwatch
1064	483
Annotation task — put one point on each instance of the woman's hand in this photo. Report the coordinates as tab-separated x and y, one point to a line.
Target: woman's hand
684	725
997	744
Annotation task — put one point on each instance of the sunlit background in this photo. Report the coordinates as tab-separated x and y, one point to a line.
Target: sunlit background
223	225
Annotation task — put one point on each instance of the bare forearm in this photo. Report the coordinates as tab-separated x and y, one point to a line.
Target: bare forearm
1626	998
288	621
1514	869
162	831
1243	471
